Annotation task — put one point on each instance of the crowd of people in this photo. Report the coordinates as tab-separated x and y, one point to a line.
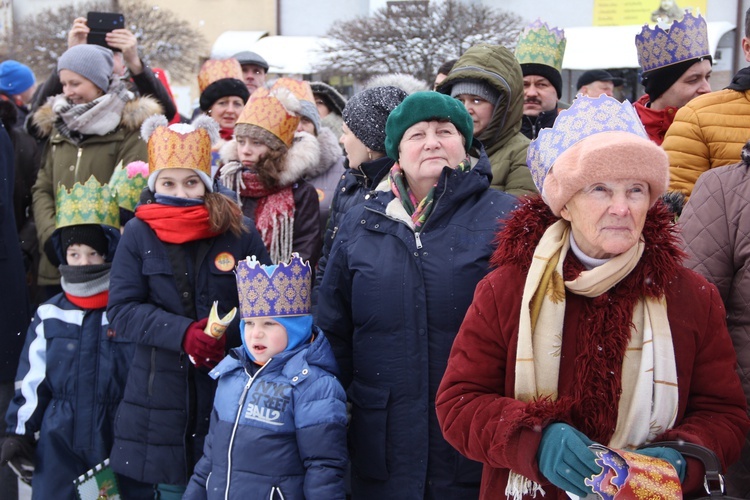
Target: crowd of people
455	290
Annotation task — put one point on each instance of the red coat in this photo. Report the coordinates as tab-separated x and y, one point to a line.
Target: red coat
479	417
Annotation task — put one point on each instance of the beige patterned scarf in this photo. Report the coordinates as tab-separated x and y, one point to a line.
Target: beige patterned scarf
648	403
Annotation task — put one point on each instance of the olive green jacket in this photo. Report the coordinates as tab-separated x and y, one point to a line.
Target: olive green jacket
502	139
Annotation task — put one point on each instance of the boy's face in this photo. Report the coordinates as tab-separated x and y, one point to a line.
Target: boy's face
264	338
83	255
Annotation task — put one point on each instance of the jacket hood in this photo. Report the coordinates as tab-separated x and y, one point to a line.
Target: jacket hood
318	353
330	153
498	67
661	257
304	156
133	115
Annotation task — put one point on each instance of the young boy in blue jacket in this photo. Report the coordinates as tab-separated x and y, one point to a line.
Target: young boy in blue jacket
278	425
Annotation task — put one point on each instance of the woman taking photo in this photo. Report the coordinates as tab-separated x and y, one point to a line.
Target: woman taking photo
400	276
590	330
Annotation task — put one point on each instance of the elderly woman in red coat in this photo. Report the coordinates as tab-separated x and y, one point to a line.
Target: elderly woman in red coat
590	330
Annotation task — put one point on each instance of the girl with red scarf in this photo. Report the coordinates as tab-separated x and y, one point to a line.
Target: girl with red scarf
177	258
265	165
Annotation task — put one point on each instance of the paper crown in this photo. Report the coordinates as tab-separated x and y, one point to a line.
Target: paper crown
541	44
683	40
628	475
279	290
128	182
218	69
586	116
300	88
274	111
180	145
88	203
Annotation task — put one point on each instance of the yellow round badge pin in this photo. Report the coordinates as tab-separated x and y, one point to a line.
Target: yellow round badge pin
224	261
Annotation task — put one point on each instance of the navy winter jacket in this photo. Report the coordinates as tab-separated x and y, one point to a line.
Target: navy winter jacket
70	380
391	303
164	415
277	431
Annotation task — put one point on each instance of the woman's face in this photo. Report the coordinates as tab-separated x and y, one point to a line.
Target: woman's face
250	150
226	111
77	89
425	149
356	151
607	218
179	182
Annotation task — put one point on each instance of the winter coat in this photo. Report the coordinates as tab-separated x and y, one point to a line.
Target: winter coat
71	378
67	163
352	189
164	415
716	234
277	431
14	302
302	157
708	132
325	176
475	406
505	145
391	303
655	121
531	125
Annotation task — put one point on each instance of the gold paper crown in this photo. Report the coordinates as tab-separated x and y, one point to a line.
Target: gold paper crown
266	111
278	290
89	203
128	182
541	44
300	88
218	69
684	40
170	147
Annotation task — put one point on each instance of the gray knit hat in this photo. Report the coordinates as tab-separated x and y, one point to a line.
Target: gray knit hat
93	62
310	111
477	88
366	113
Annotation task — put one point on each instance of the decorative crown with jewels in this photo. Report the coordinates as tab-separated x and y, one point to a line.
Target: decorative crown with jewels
88	203
277	290
683	40
586	116
540	43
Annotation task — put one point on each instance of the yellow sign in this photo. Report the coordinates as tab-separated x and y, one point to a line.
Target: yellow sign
625	12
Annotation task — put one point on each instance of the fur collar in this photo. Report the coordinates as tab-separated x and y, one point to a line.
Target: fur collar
133	115
330	153
303	156
659	263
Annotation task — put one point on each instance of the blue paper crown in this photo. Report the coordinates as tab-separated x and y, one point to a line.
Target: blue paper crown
585	117
684	40
278	290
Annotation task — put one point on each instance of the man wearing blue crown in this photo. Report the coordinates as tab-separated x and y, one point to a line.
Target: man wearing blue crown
676	64
278	425
73	368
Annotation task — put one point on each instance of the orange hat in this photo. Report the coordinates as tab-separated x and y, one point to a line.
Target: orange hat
274	112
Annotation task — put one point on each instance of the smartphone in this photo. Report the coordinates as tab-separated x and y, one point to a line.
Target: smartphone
101	23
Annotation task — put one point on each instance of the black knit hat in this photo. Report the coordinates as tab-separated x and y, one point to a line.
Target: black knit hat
366	113
548	72
658	81
222	88
86	234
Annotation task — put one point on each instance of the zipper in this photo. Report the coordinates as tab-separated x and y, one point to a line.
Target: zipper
419	241
78	162
237	423
152	373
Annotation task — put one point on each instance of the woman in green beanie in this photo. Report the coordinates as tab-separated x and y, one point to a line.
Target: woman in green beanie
424	238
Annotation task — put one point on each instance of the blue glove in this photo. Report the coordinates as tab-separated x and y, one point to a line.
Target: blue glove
671	455
565	459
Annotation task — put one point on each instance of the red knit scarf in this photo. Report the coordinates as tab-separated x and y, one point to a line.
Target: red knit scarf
97	301
274	205
176	224
226	133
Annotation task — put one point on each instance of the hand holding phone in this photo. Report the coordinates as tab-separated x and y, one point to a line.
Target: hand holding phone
101	23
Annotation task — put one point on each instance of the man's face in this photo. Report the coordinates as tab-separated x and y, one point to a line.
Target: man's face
597	88
254	76
692	83
538	95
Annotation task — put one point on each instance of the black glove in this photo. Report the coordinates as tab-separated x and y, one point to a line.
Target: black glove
18	453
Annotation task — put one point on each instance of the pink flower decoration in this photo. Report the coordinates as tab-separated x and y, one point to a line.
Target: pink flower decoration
137	167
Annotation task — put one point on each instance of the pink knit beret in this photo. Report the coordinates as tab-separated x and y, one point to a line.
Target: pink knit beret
605	157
